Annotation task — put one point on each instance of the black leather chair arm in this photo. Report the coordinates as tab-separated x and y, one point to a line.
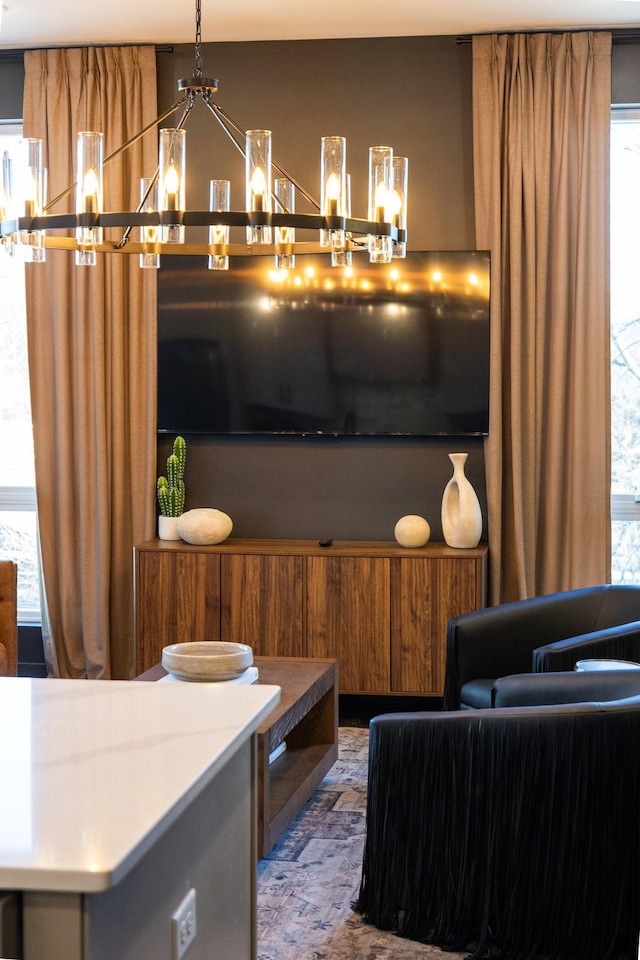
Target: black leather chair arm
611	643
500	640
534	689
470	813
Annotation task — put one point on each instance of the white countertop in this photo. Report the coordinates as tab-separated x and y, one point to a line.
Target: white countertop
92	772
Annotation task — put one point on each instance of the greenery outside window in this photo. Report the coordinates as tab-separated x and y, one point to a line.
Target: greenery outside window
18	528
625	344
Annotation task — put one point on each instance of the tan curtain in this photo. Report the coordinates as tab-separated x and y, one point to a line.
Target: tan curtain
92	363
541	113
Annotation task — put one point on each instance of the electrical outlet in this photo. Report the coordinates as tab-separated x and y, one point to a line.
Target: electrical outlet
183	925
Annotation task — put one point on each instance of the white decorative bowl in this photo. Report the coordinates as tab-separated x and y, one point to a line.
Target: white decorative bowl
207	660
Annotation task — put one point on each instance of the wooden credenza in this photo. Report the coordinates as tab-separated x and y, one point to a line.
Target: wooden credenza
379	608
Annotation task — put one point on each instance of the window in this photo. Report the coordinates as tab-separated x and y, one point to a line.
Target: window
18	537
625	345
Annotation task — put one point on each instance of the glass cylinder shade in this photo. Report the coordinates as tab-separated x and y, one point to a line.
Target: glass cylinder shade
344	258
399	203
219	200
333	175
149	236
89	192
31	242
6	187
258	182
7	210
171	182
285	237
380	184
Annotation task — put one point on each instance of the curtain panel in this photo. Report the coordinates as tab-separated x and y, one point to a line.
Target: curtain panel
92	366
541	115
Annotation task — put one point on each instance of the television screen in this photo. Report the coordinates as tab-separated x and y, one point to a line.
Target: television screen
369	350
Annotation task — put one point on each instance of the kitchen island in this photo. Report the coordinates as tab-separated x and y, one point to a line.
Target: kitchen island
122	802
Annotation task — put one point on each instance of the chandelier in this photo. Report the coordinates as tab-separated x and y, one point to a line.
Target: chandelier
28	227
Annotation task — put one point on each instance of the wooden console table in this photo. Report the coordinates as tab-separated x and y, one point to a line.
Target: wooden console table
306	720
379	608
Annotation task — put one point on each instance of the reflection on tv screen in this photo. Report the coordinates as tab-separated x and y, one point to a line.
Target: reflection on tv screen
372	350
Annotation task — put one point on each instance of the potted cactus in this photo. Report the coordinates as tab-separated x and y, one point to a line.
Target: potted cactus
171	492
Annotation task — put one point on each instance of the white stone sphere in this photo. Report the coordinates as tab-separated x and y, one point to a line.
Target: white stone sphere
412	531
204	526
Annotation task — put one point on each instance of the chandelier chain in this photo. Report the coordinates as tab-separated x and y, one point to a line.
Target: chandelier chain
197	71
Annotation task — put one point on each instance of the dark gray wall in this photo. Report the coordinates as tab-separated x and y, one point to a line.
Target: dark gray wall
625	72
11	86
414	93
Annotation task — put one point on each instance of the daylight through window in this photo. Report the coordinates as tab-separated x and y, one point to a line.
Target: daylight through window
18	538
625	345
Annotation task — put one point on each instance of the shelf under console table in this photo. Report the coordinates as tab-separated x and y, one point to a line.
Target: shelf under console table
301	732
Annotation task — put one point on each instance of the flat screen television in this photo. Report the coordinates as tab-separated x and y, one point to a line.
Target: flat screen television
372	350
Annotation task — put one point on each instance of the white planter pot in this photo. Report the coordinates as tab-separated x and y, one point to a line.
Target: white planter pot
168	528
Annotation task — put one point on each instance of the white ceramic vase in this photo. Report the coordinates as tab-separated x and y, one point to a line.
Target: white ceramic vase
168	528
461	514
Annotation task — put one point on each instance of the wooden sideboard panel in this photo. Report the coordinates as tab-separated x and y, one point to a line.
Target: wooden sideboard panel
379	608
197	597
177	600
262	603
347	617
459	589
413	658
424	595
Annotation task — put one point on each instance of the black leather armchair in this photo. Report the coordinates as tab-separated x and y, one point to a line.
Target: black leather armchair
509	833
542	634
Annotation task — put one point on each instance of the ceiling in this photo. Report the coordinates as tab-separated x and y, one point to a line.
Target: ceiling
38	23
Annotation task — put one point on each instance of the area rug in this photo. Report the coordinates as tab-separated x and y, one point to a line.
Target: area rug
308	881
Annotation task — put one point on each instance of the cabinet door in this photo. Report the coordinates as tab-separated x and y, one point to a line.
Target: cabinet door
262	603
424	595
177	600
347	617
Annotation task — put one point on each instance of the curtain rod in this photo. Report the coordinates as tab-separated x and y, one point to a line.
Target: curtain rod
616	37
17	55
